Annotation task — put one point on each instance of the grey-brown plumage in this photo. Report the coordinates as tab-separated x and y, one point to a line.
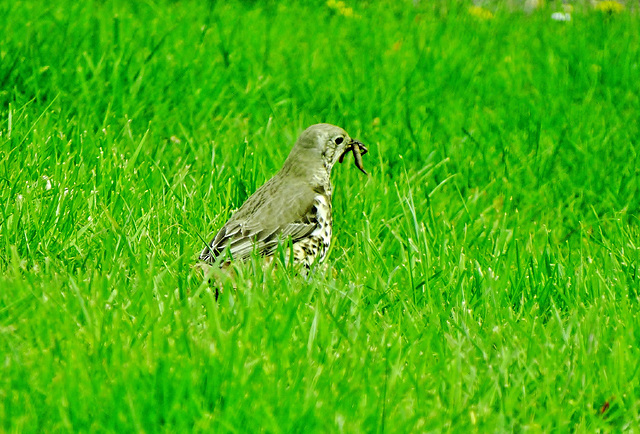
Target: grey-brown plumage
294	204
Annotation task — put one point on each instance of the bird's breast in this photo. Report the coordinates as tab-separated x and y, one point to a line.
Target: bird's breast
314	247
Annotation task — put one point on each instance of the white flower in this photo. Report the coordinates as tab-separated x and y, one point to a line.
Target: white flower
561	16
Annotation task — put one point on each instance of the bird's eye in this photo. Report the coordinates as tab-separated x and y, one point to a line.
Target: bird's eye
339	140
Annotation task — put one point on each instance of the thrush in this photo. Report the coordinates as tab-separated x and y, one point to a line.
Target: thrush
295	204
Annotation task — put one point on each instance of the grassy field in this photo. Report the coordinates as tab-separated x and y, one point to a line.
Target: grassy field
486	276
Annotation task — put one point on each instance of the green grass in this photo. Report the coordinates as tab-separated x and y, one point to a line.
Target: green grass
486	276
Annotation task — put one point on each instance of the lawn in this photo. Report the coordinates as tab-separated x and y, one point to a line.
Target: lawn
484	277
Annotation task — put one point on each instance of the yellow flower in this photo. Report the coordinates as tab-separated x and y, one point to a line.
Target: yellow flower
480	13
609	6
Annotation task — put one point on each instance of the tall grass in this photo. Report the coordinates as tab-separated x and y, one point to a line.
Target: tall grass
485	276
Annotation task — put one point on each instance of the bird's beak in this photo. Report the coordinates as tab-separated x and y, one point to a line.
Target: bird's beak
358	150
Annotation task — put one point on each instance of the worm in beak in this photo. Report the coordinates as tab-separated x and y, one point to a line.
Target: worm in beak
358	150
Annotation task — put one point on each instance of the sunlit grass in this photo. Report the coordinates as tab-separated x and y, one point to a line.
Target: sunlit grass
485	275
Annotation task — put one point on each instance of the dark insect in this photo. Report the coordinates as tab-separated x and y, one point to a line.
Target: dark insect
358	150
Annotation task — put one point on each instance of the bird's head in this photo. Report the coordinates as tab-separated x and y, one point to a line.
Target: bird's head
320	146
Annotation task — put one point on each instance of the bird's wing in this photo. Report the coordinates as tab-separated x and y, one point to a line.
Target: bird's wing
262	224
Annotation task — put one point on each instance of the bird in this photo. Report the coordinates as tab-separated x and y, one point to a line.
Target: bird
295	205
